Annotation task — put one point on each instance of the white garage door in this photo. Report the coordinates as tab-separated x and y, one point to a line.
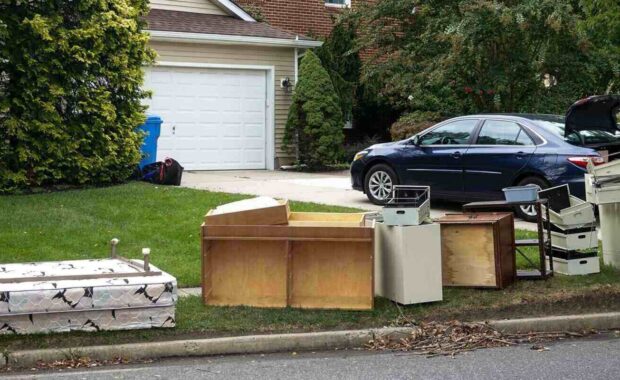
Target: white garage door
214	119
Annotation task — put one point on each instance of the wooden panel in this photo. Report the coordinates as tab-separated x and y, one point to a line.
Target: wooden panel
272	266
289	232
261	216
332	276
326	219
245	273
507	254
468	255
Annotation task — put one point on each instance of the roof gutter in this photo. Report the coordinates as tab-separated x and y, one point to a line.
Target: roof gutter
165	36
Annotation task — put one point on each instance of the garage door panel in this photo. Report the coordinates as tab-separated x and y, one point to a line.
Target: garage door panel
254	132
254	156
233	130
219	116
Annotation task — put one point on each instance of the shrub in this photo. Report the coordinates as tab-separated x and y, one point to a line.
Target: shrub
314	126
352	148
71	74
412	123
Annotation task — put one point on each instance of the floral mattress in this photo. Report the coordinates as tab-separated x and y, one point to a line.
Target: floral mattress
86	295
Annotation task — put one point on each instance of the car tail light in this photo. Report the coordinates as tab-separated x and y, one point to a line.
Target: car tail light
582	161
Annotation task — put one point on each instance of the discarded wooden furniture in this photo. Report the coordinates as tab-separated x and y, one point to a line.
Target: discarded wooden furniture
543	243
253	211
408	263
316	261
85	295
478	250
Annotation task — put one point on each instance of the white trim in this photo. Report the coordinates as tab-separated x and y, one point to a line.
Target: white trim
296	66
235	10
270	149
347	4
165	36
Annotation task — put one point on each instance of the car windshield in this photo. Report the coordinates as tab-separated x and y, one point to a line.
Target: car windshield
555	125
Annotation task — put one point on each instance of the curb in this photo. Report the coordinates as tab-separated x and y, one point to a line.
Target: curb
602	321
329	340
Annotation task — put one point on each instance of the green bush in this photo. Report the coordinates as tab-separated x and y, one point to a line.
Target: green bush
71	77
351	148
412	123
314	126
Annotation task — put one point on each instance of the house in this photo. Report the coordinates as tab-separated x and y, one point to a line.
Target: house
307	17
222	83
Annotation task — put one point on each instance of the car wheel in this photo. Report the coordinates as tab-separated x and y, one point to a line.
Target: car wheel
379	182
528	213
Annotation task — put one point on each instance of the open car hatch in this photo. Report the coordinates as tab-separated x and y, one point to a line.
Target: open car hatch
593	113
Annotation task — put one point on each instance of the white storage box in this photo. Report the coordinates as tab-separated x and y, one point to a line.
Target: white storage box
521	193
574	241
106	294
578	213
611	168
575	267
408	263
408	206
608	192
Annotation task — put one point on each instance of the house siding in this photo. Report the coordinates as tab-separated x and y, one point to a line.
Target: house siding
282	59
196	6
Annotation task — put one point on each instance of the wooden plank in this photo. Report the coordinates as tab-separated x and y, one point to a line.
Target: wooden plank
292	232
258	238
277	215
468	255
326	219
507	258
246	273
332	276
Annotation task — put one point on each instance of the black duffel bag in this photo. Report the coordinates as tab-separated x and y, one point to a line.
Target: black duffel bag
167	172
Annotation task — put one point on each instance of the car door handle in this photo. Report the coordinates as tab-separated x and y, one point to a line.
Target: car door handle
520	155
456	154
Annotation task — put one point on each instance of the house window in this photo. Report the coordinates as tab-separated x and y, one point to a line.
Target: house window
338	3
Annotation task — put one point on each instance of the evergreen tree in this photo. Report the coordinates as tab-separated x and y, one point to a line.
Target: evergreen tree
314	125
71	75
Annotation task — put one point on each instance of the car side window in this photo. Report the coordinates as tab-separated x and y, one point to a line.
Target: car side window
455	133
500	132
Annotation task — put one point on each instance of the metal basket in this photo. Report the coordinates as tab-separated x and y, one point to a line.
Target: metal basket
409	196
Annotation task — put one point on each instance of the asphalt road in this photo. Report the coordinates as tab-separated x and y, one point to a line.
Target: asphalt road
592	358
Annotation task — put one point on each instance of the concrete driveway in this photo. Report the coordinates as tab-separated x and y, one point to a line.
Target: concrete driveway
332	188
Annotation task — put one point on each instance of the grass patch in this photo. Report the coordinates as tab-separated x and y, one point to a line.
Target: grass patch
79	225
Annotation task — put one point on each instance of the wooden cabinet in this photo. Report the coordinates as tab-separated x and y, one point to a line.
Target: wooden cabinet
317	261
478	250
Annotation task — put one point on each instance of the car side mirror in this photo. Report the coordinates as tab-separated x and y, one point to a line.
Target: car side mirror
415	140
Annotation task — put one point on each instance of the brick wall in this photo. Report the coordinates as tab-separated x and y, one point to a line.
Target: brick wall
307	17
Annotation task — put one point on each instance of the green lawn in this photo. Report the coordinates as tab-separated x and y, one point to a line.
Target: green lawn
79	225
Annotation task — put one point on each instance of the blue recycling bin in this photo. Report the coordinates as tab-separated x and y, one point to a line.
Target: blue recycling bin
152	129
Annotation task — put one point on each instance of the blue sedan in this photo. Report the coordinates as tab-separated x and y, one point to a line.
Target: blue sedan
474	157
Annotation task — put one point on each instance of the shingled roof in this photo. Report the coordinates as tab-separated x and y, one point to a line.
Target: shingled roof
187	22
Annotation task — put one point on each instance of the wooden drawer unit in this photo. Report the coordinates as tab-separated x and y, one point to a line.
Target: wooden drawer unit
478	250
326	266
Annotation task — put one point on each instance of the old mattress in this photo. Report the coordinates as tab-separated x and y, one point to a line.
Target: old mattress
106	294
